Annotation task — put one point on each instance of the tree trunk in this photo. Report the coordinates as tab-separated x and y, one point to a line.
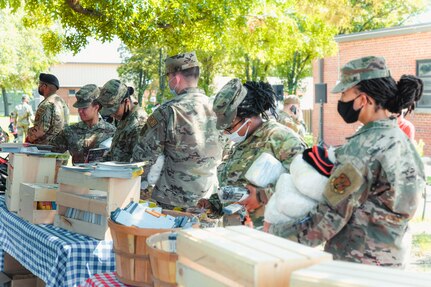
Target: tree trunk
140	92
5	101
161	78
247	67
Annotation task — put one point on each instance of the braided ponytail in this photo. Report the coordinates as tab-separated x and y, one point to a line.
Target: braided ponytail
259	99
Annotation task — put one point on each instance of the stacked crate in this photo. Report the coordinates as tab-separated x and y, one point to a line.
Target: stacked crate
240	256
96	195
26	168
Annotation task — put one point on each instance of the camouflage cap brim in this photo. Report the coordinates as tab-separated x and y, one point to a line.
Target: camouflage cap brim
341	87
81	105
109	111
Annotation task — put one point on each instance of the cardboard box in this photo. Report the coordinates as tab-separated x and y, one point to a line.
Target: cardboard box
24	168
16	275
30	194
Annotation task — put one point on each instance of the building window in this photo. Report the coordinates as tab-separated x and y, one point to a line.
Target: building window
72	93
423	71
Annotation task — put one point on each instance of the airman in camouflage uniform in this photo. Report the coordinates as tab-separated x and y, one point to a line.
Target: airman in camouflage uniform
184	131
269	136
291	115
79	138
23	117
116	99
374	188
52	113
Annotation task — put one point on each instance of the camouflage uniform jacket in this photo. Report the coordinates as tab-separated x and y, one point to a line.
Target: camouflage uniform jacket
52	115
184	130
270	137
78	139
371	195
288	121
127	135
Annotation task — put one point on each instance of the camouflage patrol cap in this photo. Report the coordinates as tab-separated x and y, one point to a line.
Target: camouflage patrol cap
357	70
227	101
181	62
111	95
86	95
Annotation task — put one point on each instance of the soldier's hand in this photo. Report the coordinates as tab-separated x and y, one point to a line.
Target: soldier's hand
251	203
204	203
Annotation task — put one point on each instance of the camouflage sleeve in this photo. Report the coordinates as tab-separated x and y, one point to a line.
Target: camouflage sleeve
153	136
344	192
60	142
286	147
47	115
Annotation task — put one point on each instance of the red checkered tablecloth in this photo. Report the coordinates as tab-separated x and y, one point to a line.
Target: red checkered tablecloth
103	280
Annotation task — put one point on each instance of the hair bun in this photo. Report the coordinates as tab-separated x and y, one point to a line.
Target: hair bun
130	90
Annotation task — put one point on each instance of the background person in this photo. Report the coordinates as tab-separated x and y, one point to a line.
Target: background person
23	118
52	113
79	138
117	102
374	188
291	115
184	131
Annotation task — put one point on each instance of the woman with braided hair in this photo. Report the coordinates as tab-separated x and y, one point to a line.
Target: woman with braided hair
242	113
378	177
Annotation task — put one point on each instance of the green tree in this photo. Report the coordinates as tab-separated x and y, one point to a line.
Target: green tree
22	55
140	66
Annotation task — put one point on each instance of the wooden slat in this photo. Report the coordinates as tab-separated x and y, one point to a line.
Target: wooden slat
251	267
346	274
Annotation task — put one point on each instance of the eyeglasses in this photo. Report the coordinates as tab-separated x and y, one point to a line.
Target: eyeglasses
230	129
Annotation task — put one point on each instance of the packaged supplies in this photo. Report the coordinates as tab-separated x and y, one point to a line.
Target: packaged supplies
265	170
306	179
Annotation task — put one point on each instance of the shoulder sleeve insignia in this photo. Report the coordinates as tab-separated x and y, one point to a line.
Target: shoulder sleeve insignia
152	121
345	180
340	183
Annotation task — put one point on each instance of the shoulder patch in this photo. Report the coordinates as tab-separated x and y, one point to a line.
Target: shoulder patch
345	180
152	121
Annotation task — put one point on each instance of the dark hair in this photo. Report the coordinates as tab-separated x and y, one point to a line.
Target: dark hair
191	72
259	99
394	96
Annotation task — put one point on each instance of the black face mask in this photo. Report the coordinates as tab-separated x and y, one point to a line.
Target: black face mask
40	92
347	112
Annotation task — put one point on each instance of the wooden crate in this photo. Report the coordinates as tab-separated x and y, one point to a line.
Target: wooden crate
24	168
74	187
30	194
346	274
242	255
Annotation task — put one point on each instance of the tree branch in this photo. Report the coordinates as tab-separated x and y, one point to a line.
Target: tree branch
76	6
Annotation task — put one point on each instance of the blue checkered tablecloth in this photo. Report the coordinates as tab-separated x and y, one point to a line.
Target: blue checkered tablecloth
58	257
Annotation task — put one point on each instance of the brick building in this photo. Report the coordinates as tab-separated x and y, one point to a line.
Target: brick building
407	50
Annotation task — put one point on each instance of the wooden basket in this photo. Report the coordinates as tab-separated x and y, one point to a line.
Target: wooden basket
163	261
131	251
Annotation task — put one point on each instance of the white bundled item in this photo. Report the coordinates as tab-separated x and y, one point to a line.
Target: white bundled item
306	179
155	170
272	215
290	201
265	170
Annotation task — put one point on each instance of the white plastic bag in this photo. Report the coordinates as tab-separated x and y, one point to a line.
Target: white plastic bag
155	170
307	180
272	215
290	201
265	170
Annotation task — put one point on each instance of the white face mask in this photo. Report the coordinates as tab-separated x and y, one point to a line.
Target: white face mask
235	137
173	91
